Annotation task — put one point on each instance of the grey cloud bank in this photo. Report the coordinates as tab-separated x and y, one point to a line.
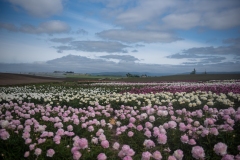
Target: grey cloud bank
49	27
81	64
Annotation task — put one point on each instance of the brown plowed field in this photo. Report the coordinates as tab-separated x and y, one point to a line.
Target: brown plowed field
13	79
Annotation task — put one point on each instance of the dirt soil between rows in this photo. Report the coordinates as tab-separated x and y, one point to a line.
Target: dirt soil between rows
14	79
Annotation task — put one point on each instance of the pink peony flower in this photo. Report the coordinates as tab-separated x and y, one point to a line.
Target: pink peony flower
191	142
83	143
132	120
57	139
178	154
151	118
148	125
26	135
146	156
162	138
77	155
26	154
139	127
50	152
38	151
127	158
70	128
220	148
157	155
184	138
171	158
130	134
228	157
105	144
4	134
28	140
101	156
116	146
172	124
102	137
90	129
148	143
126	151
214	131
148	133
198	152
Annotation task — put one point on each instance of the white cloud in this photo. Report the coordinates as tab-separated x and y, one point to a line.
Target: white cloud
49	27
135	36
126	58
174	14
182	21
222	19
39	8
93	46
143	12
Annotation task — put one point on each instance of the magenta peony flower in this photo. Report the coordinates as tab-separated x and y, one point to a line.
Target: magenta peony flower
101	156
198	152
220	148
50	152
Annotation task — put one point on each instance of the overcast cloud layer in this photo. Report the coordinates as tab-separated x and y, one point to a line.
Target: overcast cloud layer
120	35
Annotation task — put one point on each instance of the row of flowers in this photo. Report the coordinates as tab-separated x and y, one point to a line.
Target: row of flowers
194	96
99	122
127	133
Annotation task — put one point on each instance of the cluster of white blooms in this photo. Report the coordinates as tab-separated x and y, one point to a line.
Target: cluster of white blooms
108	95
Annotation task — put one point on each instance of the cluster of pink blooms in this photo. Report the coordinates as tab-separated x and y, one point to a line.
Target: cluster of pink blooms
188	87
126	152
129	120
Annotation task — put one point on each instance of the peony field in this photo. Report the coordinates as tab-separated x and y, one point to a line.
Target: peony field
121	121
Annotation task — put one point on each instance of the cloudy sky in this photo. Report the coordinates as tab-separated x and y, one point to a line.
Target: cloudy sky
120	35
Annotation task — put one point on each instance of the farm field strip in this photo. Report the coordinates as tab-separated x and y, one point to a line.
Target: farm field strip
180	120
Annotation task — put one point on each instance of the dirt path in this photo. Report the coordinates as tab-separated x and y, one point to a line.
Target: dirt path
13	79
